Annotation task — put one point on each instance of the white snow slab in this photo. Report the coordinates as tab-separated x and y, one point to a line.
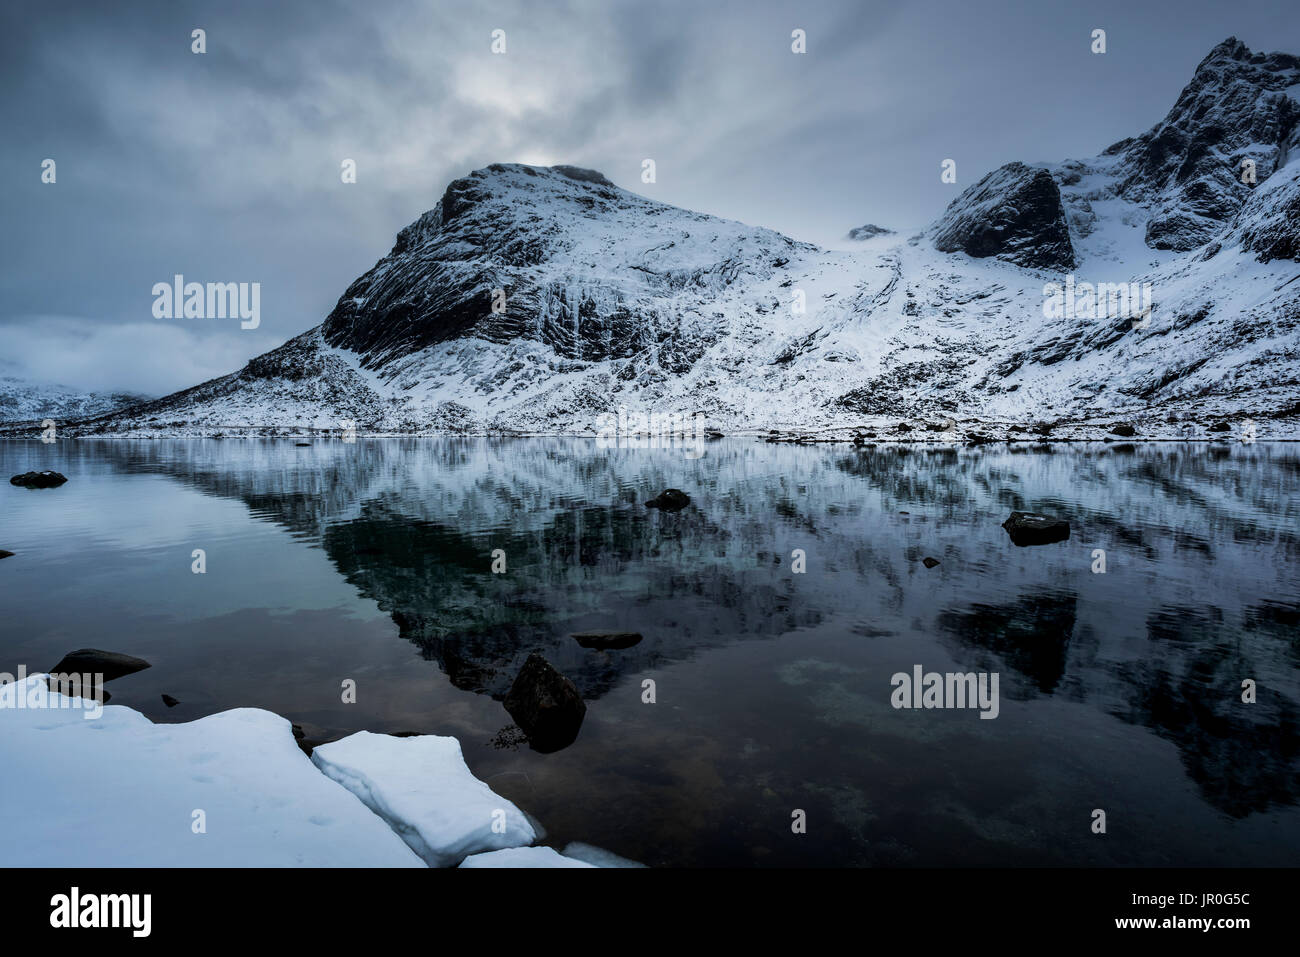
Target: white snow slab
423	789
523	857
121	791
597	856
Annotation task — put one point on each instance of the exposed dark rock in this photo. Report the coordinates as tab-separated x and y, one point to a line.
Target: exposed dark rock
45	479
546	705
1221	427
110	664
1013	213
607	639
929	562
169	701
5	554
1124	429
868	231
670	500
1026	528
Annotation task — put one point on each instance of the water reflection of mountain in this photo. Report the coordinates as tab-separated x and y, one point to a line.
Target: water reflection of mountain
1200	593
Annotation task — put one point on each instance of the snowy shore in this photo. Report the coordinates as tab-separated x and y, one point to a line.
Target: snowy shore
90	785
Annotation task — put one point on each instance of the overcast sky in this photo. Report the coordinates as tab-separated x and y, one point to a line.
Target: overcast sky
225	166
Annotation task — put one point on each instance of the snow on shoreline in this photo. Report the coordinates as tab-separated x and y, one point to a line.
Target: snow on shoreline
234	790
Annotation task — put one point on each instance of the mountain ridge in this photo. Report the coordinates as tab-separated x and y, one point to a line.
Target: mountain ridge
537	299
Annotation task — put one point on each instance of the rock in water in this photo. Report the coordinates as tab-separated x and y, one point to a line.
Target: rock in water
1025	528
169	701
546	705
5	554
929	562
45	479
110	664
607	639
670	500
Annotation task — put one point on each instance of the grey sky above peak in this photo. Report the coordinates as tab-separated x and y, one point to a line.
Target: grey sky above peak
225	166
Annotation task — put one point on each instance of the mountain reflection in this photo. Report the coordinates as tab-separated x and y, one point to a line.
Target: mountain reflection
1200	592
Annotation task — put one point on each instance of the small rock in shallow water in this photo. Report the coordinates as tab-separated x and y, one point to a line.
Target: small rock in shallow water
169	701
46	479
1026	528
670	500
110	664
546	705
607	639
929	562
5	554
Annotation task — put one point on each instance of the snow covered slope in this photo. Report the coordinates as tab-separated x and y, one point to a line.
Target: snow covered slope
538	299
25	401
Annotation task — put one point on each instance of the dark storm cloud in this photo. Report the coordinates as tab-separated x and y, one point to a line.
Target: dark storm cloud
225	166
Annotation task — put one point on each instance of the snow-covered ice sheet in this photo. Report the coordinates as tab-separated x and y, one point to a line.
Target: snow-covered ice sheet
523	857
121	791
423	789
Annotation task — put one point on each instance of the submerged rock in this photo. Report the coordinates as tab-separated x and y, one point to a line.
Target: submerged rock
546	705
1026	528
45	479
111	664
607	639
670	500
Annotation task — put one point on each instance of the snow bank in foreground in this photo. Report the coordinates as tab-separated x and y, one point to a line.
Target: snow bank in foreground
423	789
523	857
121	791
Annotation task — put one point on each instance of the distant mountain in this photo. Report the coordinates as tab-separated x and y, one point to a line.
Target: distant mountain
868	231
25	401
537	299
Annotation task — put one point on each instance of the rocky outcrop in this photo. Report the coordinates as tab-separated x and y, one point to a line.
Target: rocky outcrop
1013	213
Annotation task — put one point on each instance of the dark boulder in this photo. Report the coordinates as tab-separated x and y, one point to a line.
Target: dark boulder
169	701
546	705
606	639
45	479
5	554
670	500
1124	429
1026	528
110	664
1221	427
929	562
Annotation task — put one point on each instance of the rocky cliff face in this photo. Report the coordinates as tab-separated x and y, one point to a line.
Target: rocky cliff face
1188	167
1013	213
540	299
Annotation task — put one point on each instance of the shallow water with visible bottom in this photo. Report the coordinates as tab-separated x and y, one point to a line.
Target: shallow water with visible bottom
1119	690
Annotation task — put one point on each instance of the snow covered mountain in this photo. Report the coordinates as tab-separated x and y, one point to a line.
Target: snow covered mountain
538	299
25	401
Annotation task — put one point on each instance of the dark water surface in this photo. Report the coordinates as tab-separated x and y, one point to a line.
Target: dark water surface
371	561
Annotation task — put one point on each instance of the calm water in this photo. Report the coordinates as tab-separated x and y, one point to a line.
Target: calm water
371	561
